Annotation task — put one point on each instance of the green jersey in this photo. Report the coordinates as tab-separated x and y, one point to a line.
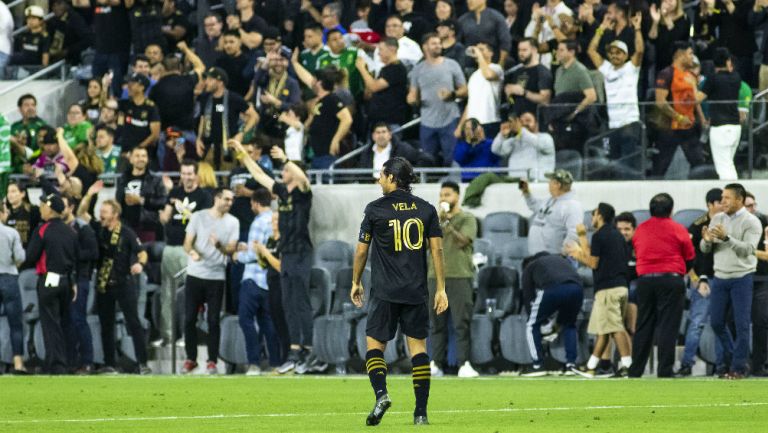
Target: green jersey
745	97
29	130
111	159
344	60
308	59
77	134
5	145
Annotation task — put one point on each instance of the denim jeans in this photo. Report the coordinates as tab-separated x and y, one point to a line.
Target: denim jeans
565	300
10	297
697	316
736	292
79	339
439	141
254	303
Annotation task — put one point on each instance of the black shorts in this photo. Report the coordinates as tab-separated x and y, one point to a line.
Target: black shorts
384	316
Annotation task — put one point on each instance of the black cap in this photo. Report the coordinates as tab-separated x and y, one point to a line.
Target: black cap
451	24
53	201
271	33
714	194
46	135
217	74
139	78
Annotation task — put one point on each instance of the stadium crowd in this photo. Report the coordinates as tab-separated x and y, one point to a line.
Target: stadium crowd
257	87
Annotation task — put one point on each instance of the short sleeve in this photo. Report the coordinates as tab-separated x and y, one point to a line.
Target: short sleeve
280	190
414	76
498	70
458	76
235	233
432	228
545	79
192	224
584	81
597	244
706	87
664	79
154	114
366	227
238	104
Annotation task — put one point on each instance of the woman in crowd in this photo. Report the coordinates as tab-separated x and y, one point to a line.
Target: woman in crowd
77	130
22	215
92	103
207	177
668	25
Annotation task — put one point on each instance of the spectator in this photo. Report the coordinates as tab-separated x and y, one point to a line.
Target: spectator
70	34
183	201
120	261
273	91
730	20
6	36
626	224
699	290
254	290
408	51
514	21
211	236
330	19
720	90
621	28
483	89
269	253
79	339
25	130
759	298
234	62
138	117
146	18
108	116
669	25
141	196
530	153
551	285
329	125
473	150
294	118
620	75
206	45
606	255
757	18
483	24
77	130
107	150
23	216
389	90
572	77
343	58
12	255
733	236
542	21
384	148
676	100
141	65
530	84
664	255
435	85
415	24
554	220
93	100
110	17
31	47
363	12
459	231
452	48
220	113
83	164
50	157
445	10
53	251
313	48
175	26
249	25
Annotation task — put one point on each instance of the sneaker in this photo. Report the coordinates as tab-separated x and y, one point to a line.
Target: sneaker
107	370
534	371
605	372
144	370
84	370
158	343
317	366
622	373
379	409
253	370
466	370
210	368
180	343
305	359
420	420
568	370
683	371
735	375
584	372
290	363
189	365
435	370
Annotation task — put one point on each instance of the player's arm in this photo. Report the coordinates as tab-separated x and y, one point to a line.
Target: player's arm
441	300
361	257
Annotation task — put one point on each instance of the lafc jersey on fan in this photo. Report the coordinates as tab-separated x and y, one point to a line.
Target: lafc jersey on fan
398	226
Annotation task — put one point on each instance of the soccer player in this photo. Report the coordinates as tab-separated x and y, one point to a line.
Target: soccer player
398	225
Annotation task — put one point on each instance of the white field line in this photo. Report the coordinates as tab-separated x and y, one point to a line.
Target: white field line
451	411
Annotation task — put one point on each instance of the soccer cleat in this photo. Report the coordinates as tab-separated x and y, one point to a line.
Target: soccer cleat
253	370
189	365
420	420
379	409
534	371
434	370
210	368
466	371
305	361
158	343
287	367
583	372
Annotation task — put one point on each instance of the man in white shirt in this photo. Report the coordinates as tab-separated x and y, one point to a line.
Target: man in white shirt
484	88
408	51
553	9
6	35
530	153
385	147
620	75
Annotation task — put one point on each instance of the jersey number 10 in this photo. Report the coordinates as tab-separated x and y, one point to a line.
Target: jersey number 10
403	233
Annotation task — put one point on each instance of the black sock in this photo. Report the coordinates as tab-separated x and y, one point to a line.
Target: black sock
421	379
605	364
377	371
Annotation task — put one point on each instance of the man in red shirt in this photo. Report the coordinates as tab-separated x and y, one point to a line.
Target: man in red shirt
664	254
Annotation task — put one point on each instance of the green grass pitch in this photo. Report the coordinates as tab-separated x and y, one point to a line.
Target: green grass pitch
340	404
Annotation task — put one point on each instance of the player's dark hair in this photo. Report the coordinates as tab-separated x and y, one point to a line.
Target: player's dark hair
626	217
218	192
452	185
401	171
661	205
680	47
606	211
332	31
140	58
721	57
391	42
262	196
24	97
737	189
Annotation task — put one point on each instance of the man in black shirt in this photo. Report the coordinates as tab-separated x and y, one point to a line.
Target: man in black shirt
110	17
247	24
722	92
330	122
54	254
607	257
234	63
138	117
146	20
389	90
452	48
402	228
119	263
31	46
530	84
220	113
70	34
183	200
551	285
141	196
175	26
207	43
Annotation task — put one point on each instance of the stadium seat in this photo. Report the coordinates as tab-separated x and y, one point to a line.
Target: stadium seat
641	215
686	217
484	248
319	291
481	339
232	341
707	345
513	339
514	252
501	227
333	255
28	290
557	349
500	283
6	352
98	349
390	353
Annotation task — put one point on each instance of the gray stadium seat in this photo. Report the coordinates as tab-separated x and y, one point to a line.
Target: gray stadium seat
484	247
333	255
641	215
513	339
232	341
514	252
28	291
500	283
390	353
707	343
481	339
319	291
98	349
686	217
501	227
343	286
6	352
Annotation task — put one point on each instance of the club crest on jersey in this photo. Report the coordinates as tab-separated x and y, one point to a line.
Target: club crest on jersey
404	206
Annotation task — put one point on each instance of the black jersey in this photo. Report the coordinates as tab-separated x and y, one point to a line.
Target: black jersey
399	226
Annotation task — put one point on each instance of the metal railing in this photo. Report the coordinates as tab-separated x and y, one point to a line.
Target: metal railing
61	65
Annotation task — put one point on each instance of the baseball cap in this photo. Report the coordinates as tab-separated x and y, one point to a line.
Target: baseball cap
139	78
34	11
560	175
620	45
217	74
53	201
47	135
451	24
714	194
